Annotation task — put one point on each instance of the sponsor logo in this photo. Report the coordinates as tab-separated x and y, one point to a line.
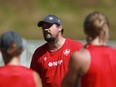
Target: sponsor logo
45	58
55	63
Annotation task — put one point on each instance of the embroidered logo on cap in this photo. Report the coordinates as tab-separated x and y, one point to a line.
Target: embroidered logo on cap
51	18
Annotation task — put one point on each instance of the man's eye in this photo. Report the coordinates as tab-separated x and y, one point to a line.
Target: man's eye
47	26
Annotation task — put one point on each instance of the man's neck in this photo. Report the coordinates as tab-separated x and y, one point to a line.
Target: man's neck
54	46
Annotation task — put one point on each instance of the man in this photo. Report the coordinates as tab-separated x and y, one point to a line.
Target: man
95	64
51	59
13	74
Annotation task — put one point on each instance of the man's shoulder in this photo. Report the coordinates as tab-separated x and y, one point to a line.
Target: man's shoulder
42	47
75	42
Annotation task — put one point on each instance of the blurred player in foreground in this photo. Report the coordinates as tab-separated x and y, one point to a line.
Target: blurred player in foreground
95	64
13	74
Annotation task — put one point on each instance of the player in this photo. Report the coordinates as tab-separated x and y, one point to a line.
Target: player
95	64
51	59
13	74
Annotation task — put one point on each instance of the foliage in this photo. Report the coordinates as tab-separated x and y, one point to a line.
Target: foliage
22	16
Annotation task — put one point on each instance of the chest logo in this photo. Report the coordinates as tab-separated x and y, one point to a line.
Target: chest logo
66	52
55	63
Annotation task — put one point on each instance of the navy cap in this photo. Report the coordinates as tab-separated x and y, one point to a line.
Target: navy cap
8	38
50	19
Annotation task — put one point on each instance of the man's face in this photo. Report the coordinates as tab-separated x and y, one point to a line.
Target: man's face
50	31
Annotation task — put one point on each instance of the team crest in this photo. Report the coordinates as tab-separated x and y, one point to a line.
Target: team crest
66	52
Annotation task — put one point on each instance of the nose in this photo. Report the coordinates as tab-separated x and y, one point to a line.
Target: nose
46	30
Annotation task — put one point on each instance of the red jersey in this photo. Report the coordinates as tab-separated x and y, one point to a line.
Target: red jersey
16	76
102	71
52	66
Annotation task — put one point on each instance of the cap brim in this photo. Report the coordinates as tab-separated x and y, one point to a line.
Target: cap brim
40	24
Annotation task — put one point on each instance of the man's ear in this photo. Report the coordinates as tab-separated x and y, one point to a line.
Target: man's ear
60	28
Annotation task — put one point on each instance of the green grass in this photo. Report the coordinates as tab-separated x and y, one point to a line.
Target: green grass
22	16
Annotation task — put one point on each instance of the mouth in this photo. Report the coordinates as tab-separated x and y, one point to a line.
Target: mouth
47	34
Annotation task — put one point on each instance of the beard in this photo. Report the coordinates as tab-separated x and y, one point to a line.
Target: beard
49	38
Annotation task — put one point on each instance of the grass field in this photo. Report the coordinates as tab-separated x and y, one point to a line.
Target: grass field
22	16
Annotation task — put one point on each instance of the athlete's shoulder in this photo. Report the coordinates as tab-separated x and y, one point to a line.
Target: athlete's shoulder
82	59
2	68
83	51
15	69
112	49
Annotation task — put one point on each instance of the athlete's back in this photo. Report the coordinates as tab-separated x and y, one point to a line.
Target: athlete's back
16	76
102	69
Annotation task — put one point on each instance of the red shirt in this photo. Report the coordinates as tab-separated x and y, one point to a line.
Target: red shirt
16	76
52	66
102	71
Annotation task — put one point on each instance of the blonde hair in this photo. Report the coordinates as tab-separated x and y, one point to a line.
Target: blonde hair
96	25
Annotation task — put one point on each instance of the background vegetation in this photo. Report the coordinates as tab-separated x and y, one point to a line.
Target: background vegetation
22	16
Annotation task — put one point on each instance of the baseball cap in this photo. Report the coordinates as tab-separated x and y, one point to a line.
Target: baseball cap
50	19
8	38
